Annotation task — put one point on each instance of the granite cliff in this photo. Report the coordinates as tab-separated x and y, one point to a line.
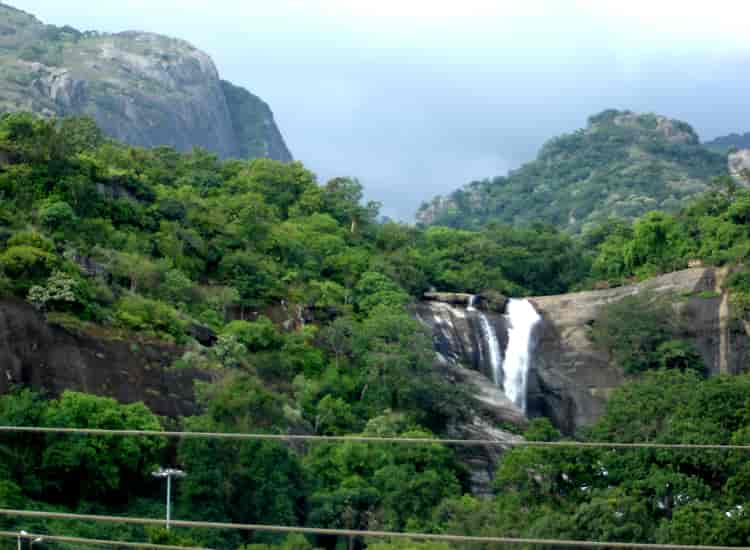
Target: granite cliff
52	358
141	88
570	378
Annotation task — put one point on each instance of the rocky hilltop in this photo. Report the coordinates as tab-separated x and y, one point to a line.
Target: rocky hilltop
729	142
622	164
142	88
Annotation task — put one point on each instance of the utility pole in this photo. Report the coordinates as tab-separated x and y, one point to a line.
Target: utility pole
169	473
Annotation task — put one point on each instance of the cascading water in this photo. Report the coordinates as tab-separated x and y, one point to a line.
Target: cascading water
522	317
481	346
493	346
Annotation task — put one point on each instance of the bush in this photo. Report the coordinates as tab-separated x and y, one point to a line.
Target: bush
59	289
137	313
26	266
260	335
641	333
57	216
31	238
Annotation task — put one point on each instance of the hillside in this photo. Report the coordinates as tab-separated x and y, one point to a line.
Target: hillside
724	144
242	296
142	88
622	164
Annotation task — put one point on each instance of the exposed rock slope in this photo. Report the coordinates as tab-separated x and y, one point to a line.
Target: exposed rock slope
570	379
51	358
142	88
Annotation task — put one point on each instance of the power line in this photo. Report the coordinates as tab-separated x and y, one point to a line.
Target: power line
370	439
98	542
361	533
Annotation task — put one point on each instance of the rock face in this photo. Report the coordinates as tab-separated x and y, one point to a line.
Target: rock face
142	88
459	336
463	358
570	379
739	166
48	357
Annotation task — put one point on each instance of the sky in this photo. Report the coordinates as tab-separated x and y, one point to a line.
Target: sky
418	97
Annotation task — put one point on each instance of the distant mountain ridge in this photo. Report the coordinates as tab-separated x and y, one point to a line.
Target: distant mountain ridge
622	164
142	88
732	141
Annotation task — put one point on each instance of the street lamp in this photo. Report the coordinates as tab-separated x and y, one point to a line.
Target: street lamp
169	473
24	534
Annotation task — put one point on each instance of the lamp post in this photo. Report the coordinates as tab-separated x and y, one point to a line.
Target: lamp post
169	473
24	534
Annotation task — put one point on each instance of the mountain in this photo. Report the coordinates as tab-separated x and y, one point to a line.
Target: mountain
724	144
622	164
142	88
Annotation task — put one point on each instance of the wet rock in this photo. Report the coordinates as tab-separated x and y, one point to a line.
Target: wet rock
203	334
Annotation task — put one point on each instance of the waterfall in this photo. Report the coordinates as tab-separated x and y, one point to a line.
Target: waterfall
468	335
522	317
490	336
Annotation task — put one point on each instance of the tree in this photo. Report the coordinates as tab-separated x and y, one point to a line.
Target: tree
374	289
644	341
75	468
60	289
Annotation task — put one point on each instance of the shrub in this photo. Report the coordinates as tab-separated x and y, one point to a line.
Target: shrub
26	265
260	335
641	333
31	238
59	289
137	313
57	216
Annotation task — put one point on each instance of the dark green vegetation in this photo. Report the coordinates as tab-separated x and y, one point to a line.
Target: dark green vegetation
712	228
622	164
680	497
646	341
136	243
728	143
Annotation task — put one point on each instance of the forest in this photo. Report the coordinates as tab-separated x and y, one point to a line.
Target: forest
622	164
135	244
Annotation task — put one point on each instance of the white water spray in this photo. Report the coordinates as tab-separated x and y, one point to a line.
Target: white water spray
496	360
490	336
522	317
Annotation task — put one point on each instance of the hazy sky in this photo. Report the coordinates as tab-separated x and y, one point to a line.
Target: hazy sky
417	97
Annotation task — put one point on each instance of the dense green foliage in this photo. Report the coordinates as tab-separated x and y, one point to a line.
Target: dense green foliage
621	165
647	340
150	244
712	229
139	243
